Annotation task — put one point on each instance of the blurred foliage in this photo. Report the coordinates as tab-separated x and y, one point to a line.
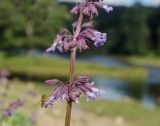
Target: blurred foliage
132	30
130	110
18	119
30	24
34	23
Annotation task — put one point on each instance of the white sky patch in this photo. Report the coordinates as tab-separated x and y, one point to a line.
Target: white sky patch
151	2
124	2
155	1
113	2
120	2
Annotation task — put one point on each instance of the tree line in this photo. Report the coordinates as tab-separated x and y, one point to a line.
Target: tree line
33	24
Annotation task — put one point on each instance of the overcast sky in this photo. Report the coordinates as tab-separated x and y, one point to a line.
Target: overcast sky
127	2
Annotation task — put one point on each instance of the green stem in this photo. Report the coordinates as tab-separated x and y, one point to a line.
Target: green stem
69	102
72	70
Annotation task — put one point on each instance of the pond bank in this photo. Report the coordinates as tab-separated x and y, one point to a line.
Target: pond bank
44	68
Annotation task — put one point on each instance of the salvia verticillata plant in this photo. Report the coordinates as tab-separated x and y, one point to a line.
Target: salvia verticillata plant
77	40
4	74
9	111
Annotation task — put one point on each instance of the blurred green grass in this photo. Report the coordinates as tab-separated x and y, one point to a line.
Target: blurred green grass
45	67
133	113
19	120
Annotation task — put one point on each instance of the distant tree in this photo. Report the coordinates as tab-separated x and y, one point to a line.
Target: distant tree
128	29
29	23
158	34
135	31
154	26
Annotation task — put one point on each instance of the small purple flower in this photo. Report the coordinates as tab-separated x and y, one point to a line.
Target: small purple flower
54	96
97	37
13	106
88	8
81	44
8	112
63	93
90	96
83	84
76	9
59	93
51	82
102	5
100	38
73	97
88	24
108	8
49	102
61	42
72	91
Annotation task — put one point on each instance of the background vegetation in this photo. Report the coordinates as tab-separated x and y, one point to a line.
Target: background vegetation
34	23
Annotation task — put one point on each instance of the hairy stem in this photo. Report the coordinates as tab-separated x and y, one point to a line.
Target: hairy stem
72	70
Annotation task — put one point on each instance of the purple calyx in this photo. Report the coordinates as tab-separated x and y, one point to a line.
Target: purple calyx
82	85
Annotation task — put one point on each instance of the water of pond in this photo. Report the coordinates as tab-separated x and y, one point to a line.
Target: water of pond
148	92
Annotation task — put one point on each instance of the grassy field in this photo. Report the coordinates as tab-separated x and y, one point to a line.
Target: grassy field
45	67
133	112
93	113
142	60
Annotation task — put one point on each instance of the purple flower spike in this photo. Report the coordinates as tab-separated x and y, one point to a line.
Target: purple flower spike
77	40
82	32
13	106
